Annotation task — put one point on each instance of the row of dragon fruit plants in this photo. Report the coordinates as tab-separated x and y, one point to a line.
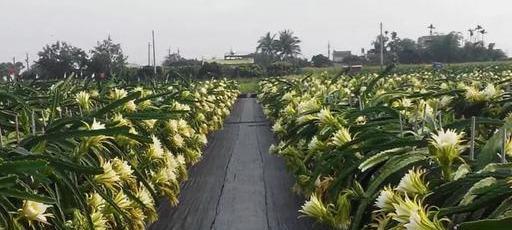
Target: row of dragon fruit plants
418	150
79	154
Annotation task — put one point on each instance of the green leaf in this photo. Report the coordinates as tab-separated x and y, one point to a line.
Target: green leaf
492	193
494	224
8	181
56	136
391	167
380	157
173	94
26	196
450	193
13	97
462	124
488	153
502	208
61	164
154	115
373	82
22	166
118	103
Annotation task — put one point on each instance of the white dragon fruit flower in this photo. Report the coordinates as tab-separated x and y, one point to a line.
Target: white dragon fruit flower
341	137
413	183
386	199
35	211
314	207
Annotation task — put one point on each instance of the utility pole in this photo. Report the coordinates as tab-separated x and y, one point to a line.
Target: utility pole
381	48
154	50
329	50
14	69
149	53
27	61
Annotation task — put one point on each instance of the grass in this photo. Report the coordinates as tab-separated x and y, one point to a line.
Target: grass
248	85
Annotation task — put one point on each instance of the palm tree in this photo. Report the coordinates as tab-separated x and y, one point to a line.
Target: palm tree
267	44
483	32
471	34
288	44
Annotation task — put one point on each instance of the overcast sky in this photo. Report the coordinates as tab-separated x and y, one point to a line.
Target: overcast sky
207	28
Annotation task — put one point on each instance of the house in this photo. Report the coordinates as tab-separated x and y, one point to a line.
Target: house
133	65
339	56
233	59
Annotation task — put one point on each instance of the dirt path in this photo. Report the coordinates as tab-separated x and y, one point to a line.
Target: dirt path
237	185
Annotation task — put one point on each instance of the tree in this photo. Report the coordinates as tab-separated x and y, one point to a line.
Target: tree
353	60
471	34
288	44
496	54
394	47
32	73
267	44
446	48
8	69
171	59
270	49
263	59
60	59
321	61
376	44
374	52
210	70
107	58
443	48
483	32
175	59
408	52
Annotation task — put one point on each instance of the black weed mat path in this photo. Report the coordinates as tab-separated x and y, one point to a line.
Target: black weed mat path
237	185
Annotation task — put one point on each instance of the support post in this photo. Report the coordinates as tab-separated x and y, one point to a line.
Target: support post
503	146
33	118
1	138
473	134
401	125
17	129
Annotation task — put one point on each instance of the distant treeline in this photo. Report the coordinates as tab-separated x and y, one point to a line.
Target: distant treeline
276	55
449	48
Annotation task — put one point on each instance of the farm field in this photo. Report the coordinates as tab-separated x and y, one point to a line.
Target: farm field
416	150
405	67
399	149
255	115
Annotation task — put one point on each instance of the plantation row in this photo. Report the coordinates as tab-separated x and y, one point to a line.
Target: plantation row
418	150
80	154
